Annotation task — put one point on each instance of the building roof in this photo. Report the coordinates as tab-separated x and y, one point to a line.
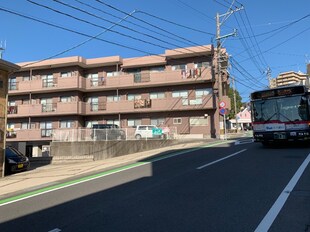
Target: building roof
8	66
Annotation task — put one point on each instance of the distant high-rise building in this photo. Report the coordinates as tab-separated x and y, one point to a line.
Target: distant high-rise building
289	78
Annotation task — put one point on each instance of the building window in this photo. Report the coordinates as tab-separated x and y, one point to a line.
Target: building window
157	69
205	64
198	121
158	121
113	74
114	121
46	129
89	124
94	79
113	98
157	95
25	126
179	67
182	93
66	74
132	97
65	99
12	83
203	92
134	122
26	78
11	103
48	81
25	101
94	103
47	105
177	121
67	124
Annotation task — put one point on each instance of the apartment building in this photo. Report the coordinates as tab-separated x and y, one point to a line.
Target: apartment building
5	69
289	78
177	89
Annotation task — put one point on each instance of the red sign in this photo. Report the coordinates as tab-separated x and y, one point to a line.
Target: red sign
222	104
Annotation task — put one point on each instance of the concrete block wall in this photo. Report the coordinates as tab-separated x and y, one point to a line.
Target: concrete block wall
100	150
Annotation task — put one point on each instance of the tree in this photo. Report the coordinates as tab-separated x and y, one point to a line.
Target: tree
232	113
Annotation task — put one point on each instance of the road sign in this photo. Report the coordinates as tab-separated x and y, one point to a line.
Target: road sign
223	111
222	104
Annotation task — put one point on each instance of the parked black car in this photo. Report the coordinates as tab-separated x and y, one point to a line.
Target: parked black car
107	132
15	161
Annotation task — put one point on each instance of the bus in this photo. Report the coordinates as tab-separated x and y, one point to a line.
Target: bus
281	114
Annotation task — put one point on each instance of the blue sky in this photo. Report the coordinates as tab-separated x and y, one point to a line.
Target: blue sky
272	34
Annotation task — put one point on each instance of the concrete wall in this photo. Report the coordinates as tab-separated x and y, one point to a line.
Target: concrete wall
100	150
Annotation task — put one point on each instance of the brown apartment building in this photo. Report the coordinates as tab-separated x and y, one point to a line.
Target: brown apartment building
177	89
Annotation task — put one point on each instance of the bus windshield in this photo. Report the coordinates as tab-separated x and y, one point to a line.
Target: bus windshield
286	109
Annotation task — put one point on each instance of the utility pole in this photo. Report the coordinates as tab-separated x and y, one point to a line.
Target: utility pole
235	102
219	50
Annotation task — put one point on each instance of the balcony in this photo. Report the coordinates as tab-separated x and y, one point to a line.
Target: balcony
59	108
34	134
124	106
157	105
122	81
144	79
52	85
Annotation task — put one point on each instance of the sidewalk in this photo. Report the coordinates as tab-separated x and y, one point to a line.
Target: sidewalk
53	174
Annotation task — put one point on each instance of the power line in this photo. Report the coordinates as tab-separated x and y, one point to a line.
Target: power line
152	25
282	28
283	42
173	23
132	23
76	32
247	48
86	12
198	11
79	44
96	25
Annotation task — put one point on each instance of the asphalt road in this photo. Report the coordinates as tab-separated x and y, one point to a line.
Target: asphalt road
234	187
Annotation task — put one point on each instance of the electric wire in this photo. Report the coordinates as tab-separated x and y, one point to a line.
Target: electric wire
283	42
174	23
141	20
141	26
76	32
77	45
96	25
86	12
247	48
194	9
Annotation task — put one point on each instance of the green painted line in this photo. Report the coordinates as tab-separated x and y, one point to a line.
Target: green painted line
73	182
101	174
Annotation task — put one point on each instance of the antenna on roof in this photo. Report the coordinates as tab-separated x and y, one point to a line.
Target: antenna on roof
2	48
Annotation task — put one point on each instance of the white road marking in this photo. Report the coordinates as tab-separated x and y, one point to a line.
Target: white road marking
219	160
55	230
244	141
278	205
